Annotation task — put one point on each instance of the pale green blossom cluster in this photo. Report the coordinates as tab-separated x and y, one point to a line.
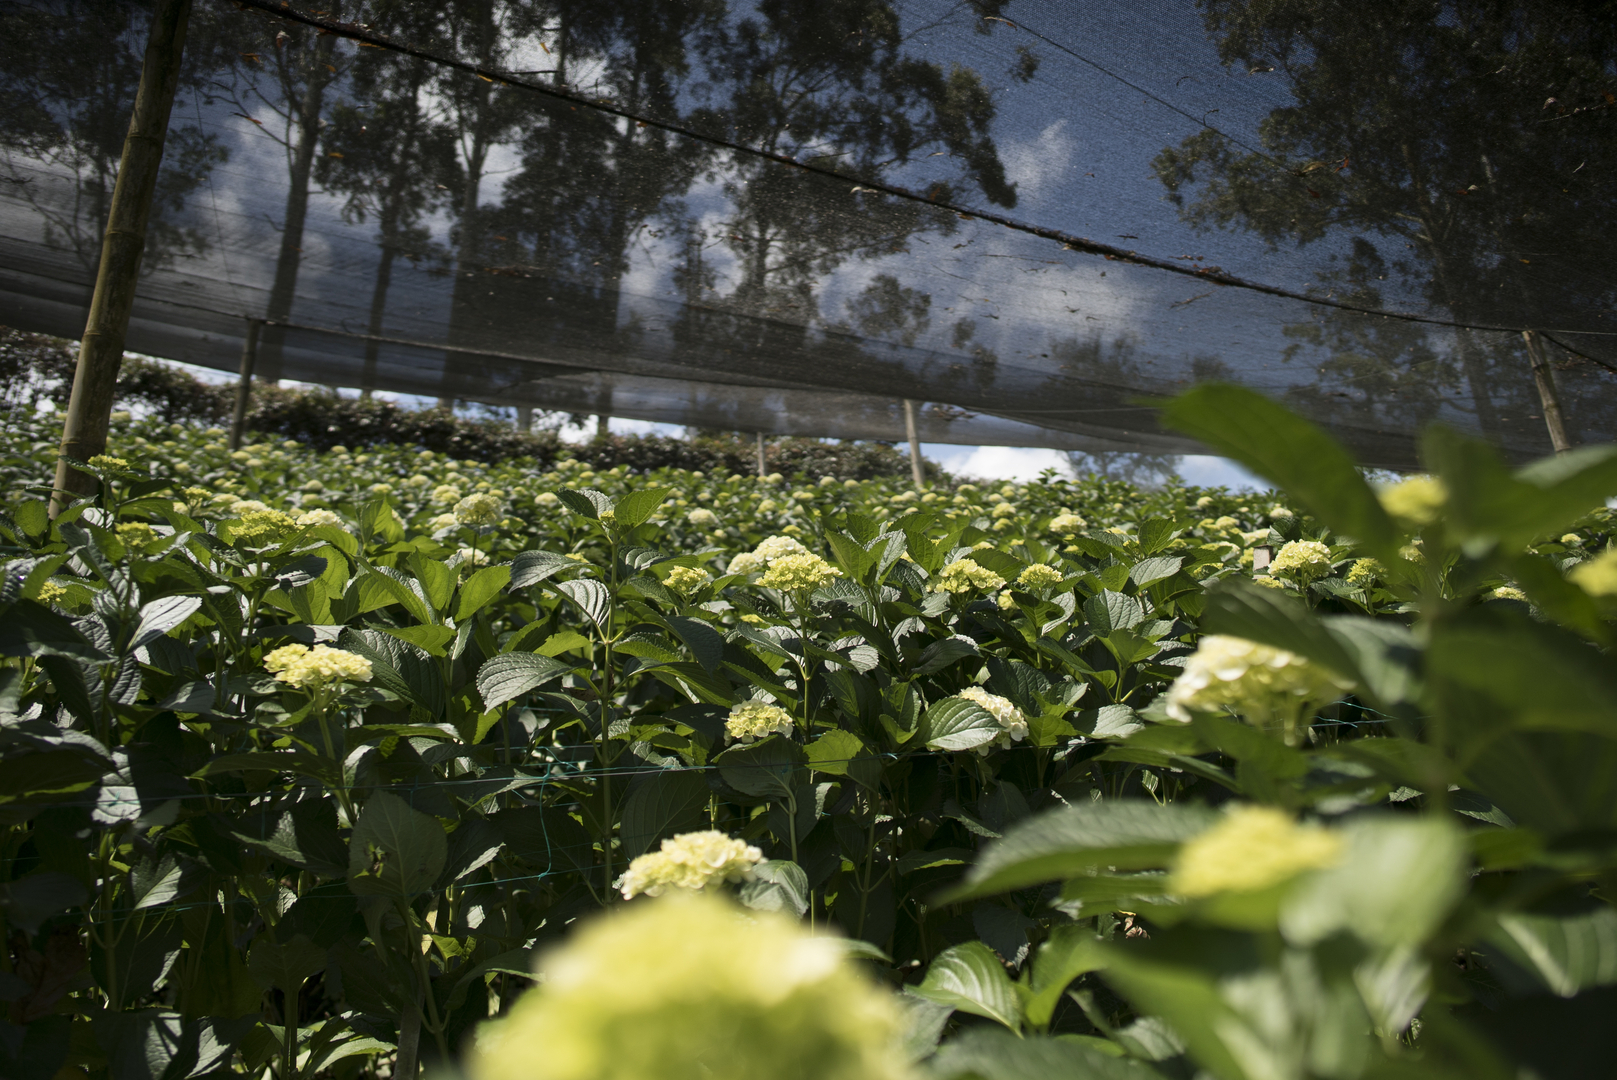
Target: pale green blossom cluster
751	720
1365	572
1267	686
799	573
314	518
1597	576
1012	721
1302	561
691	860
702	518
1252	848
1415	502
1039	576
1067	523
686	580
964	576
312	669
688	987
478	509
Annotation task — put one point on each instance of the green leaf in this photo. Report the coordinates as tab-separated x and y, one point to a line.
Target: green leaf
637	506
1393	887
479	589
532	567
969	977
1291	453
668	801
1060	843
1071	951
957	724
989	1054
1488	504
437	580
160	616
778	885
590	596
1107	611
943	652
509	675
385	582
705	643
770	769
834	751
563	641
428	638
1561	954
852	557
30	629
284	967
585	503
1148	571
395	851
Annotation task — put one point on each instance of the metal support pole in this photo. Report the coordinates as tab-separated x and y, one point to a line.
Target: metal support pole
101	351
763	466
916	473
1548	396
244	384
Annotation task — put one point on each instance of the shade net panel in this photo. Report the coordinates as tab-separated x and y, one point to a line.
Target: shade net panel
789	216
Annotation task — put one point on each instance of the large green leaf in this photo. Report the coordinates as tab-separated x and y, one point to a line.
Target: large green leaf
777	885
395	851
479	589
957	724
1290	452
988	1054
971	978
509	675
591	597
638	505
1070	952
1562	954
30	629
284	967
532	567
666	802
771	769
1070	840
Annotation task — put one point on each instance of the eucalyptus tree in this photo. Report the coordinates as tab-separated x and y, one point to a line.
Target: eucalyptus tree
1468	142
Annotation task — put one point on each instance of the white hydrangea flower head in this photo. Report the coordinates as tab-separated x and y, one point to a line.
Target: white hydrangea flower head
1302	561
546	499
691	860
478	509
688	987
446	494
1508	592
777	547
1012	721
1268	686
1251	849
1415	502
314	518
745	563
472	557
443	521
313	669
1204	502
751	720
702	518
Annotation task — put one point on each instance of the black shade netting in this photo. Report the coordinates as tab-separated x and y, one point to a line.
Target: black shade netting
790	215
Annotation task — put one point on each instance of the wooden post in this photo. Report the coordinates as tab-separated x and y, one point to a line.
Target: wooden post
1548	396
101	352
917	474
525	418
244	385
763	464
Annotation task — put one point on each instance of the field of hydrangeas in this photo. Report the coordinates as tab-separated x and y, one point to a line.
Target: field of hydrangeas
372	761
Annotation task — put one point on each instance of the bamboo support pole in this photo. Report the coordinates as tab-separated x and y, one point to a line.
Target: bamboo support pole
244	384
917	474
84	434
763	464
1549	397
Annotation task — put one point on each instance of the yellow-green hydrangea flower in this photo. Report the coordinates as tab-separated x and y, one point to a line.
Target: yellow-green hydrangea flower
751	720
136	533
687	987
964	576
1415	502
260	523
1302	561
1252	848
446	494
1365	572
1039	576
50	592
312	669
691	860
109	463
1266	685
778	546
702	518
314	518
478	509
1508	592
1269	582
686	580
798	573
1067	523
1597	576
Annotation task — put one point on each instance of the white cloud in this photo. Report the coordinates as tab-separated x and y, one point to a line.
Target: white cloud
1205	470
618	425
996	462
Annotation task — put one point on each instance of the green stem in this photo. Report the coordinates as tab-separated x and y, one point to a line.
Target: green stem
289	1031
419	958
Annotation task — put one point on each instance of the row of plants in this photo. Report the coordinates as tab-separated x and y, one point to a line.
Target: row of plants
37	371
311	760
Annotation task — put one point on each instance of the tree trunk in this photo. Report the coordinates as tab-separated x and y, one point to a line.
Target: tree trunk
283	291
384	278
101	351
